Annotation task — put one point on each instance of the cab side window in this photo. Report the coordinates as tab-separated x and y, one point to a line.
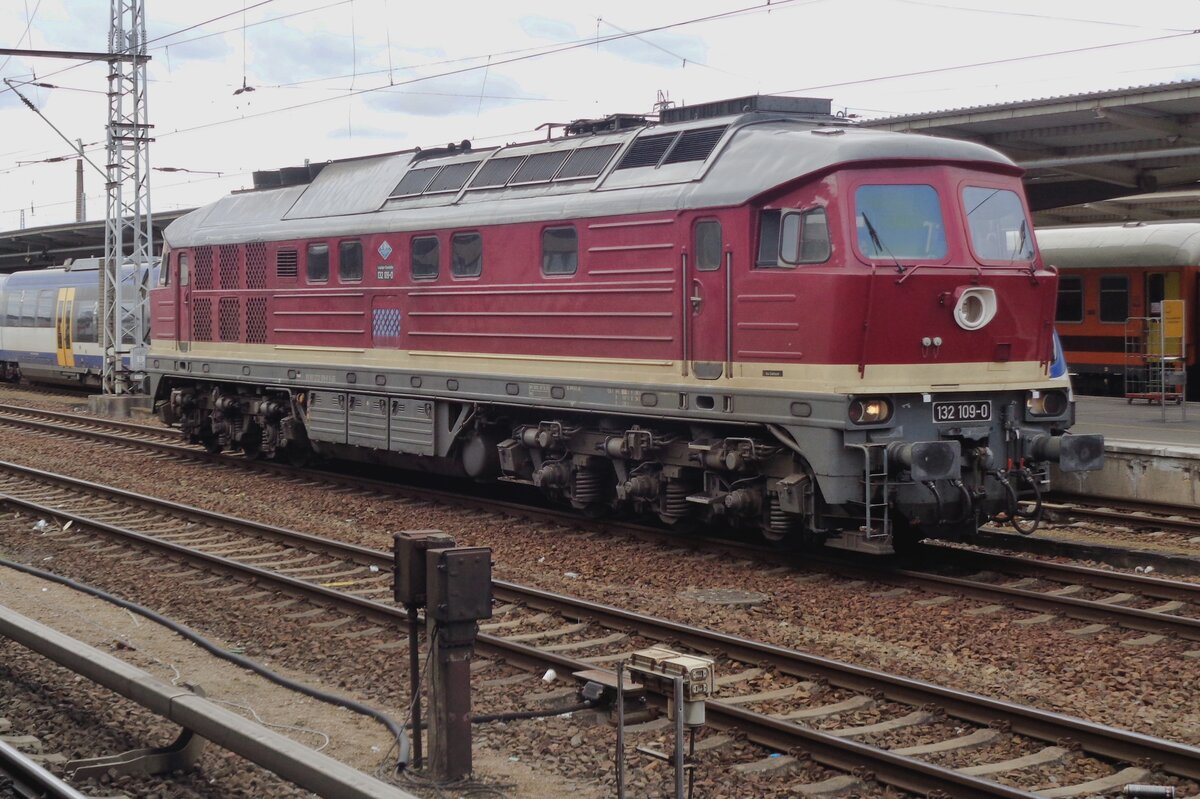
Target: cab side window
184	278
708	245
804	237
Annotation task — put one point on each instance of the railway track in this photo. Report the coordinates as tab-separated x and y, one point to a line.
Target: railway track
1151	605
1124	513
808	700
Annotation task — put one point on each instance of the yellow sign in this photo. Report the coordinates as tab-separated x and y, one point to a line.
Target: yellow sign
1172	314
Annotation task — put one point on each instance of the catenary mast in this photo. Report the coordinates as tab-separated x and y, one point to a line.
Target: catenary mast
125	329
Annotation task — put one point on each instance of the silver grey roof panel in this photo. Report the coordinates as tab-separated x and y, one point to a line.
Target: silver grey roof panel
755	157
350	187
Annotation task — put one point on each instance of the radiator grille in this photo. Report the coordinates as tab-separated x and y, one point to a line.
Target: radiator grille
202	318
230	318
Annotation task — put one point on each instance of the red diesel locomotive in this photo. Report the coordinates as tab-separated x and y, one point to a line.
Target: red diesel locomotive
745	311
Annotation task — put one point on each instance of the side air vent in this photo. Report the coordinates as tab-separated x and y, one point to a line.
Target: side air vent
414	181
587	162
647	151
287	263
452	177
694	145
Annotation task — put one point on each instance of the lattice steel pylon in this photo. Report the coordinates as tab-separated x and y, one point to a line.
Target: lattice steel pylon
123	291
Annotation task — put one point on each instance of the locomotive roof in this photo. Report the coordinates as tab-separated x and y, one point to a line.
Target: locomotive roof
1112	246
724	162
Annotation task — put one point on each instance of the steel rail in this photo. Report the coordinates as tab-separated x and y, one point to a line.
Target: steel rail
1122	745
136	427
1144	585
30	779
1086	610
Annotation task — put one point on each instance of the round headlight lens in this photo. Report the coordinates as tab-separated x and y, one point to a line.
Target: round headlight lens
871	410
1047	403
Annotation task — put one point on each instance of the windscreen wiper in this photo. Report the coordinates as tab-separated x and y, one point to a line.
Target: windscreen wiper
879	247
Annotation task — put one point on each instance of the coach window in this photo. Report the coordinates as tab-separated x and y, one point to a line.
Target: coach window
350	261
45	308
318	263
466	255
804	237
1114	298
708	245
12	309
560	251
899	221
1070	299
426	258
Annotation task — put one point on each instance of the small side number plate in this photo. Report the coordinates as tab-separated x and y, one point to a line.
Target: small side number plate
974	411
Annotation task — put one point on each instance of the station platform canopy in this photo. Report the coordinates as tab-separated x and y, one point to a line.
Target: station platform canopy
1111	156
52	245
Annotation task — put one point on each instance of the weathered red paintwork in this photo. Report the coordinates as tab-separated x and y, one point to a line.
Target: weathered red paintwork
627	299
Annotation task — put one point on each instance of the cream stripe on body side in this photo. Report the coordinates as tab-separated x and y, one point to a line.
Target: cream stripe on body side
804	378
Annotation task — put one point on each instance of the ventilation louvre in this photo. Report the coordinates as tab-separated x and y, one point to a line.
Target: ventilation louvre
202	319
496	172
256	320
204	269
452	177
230	317
695	145
414	181
256	265
287	263
228	256
647	151
587	162
539	168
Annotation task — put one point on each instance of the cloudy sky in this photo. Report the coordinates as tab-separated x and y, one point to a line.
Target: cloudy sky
340	78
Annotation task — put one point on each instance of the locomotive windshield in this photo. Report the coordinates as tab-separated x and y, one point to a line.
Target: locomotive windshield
899	221
996	220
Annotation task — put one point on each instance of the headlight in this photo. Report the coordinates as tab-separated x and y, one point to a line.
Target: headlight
974	306
1046	403
871	410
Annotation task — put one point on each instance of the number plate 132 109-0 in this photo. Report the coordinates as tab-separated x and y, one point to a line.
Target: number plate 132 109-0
972	411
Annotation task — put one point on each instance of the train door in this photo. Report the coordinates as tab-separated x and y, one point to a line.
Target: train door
1162	286
706	287
64	327
183	302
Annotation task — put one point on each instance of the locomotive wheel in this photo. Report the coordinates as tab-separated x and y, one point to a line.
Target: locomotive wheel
211	444
906	537
251	443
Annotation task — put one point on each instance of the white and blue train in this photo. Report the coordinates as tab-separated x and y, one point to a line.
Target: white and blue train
49	322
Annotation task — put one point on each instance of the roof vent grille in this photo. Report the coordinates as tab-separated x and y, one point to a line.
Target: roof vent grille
587	162
647	151
694	145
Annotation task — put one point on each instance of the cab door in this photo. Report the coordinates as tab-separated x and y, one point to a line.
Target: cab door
183	302
64	326
706	287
